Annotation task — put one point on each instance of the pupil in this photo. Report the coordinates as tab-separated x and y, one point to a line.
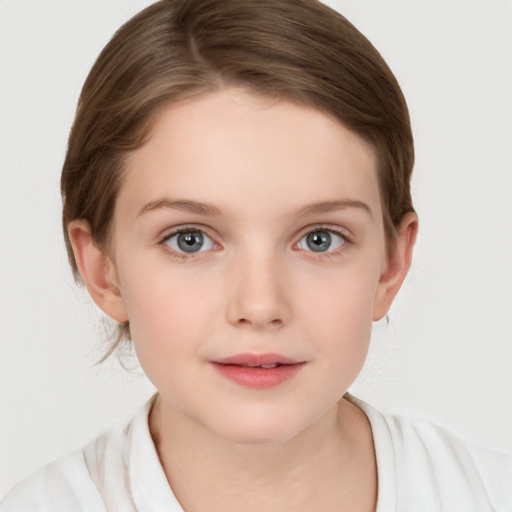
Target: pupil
319	241
191	241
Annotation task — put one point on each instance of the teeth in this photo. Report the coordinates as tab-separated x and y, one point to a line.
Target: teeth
266	366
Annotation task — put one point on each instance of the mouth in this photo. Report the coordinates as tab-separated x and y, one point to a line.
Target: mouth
257	360
258	370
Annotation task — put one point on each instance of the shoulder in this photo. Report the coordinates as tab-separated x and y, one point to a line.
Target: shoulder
445	453
458	470
426	463
62	485
93	479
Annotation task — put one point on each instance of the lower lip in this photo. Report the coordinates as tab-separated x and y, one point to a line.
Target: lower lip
259	378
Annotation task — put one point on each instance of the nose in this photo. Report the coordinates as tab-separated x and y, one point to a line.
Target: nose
258	293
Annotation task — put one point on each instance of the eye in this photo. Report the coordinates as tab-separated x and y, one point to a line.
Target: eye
321	240
189	241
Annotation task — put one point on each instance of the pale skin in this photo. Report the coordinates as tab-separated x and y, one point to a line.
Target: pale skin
255	177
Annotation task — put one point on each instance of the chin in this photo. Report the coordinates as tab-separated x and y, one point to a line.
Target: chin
260	429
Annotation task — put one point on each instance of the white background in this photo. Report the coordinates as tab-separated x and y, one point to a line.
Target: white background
447	353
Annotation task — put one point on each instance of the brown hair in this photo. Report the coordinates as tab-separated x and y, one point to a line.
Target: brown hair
299	50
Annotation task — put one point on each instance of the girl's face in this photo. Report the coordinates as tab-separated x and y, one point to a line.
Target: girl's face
249	232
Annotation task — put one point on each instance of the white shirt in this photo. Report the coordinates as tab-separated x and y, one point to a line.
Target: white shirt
421	468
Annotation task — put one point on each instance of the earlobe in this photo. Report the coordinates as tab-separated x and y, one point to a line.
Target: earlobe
397	266
97	270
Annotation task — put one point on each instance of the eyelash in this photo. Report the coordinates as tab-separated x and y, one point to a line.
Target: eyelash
182	255
319	228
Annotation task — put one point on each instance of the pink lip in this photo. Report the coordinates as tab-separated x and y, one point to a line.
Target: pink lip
245	369
256	359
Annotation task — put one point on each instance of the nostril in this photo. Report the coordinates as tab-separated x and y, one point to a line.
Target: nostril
276	322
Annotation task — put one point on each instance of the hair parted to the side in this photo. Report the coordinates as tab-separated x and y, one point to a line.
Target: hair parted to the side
297	50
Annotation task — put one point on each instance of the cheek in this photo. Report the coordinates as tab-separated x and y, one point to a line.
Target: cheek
166	311
169	319
340	314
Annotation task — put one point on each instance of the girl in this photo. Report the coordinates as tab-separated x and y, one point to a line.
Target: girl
236	196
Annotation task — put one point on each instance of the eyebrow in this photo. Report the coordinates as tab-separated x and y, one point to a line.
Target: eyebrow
211	210
180	204
330	206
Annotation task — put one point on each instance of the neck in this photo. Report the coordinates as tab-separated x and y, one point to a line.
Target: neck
329	466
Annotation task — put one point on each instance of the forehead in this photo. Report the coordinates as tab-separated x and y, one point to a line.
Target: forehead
248	153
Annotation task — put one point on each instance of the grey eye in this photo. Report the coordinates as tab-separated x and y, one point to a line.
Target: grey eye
189	241
321	240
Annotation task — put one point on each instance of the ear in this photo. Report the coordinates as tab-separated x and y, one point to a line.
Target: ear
97	270
397	266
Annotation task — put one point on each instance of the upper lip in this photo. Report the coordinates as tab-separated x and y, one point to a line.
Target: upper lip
256	359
